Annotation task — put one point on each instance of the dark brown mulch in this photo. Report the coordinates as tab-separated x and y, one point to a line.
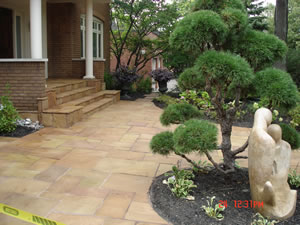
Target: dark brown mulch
230	188
132	96
19	132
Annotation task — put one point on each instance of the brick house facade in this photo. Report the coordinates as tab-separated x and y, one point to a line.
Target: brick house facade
47	39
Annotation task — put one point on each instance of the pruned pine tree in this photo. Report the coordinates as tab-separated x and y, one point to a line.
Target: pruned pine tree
232	61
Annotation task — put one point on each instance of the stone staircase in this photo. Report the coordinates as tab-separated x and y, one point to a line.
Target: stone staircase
69	101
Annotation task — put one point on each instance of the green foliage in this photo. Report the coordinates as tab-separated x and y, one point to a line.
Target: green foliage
294	179
177	60
295	115
144	85
134	22
204	165
235	19
168	100
8	114
180	182
290	135
217	5
260	220
277	87
162	143
199	99
179	113
195	135
294	24
109	81
197	30
257	18
225	70
213	211
191	79
293	65
261	49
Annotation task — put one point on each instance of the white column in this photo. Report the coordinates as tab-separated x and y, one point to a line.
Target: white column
36	28
89	41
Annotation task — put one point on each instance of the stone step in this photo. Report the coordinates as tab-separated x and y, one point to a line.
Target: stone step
92	108
68	96
60	86
87	99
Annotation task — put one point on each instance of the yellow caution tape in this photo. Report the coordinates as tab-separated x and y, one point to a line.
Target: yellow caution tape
26	216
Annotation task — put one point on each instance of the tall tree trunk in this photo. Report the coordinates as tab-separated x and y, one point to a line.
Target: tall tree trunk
281	26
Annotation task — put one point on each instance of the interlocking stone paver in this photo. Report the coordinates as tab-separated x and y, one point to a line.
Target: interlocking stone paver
84	205
98	172
69	219
119	202
143	212
134	167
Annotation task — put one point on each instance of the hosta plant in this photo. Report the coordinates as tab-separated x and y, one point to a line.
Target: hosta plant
214	211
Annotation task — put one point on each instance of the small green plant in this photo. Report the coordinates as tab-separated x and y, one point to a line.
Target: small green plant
199	99
204	165
290	135
180	182
109	81
168	100
260	220
213	211
295	115
144	85
8	113
294	179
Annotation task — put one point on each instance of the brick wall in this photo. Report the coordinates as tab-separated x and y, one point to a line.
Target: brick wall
27	83
64	42
79	69
59	30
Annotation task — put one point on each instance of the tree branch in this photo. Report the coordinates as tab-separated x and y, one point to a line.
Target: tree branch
241	149
189	160
240	157
218	166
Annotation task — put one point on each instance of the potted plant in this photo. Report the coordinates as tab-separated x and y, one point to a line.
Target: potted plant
125	78
162	76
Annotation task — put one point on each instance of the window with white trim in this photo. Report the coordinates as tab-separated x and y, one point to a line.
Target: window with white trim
97	37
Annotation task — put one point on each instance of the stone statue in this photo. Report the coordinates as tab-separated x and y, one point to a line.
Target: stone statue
268	163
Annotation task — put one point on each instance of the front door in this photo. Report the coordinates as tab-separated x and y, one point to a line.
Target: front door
6	37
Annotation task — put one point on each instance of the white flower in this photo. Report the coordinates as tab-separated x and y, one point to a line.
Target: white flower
1	107
280	119
275	112
190	198
165	182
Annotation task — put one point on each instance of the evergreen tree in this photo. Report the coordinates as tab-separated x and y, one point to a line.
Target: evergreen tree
257	19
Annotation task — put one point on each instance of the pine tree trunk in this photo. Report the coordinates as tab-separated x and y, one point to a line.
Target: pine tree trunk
281	26
226	129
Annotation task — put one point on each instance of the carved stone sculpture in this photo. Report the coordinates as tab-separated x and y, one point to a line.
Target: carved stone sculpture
269	162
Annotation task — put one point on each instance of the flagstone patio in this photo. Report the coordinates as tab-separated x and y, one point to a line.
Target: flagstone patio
97	172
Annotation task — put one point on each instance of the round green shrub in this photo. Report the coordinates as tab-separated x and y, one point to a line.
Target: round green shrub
277	87
197	29
235	19
162	143
195	135
179	113
191	79
290	135
225	69
293	65
261	49
217	5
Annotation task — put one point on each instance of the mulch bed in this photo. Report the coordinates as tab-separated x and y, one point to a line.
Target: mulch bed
132	96
19	132
231	188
